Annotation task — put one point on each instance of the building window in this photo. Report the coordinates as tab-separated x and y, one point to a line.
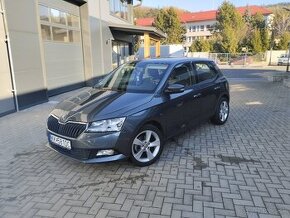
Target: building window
74	36
120	53
119	8
73	20
44	13
202	28
59	34
59	26
194	29
209	27
58	17
46	32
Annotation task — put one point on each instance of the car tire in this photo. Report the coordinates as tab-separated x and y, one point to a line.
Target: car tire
146	145
222	112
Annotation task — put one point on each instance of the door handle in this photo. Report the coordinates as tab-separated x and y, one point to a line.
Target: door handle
197	95
217	87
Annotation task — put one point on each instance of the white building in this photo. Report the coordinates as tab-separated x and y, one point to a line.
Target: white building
199	25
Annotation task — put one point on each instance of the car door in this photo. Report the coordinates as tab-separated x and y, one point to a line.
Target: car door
179	108
208	86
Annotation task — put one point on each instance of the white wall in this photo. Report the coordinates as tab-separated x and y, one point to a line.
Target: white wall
166	51
273	56
101	36
104	12
22	23
198	54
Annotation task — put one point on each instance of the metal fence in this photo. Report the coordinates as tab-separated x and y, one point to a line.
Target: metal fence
238	58
231	59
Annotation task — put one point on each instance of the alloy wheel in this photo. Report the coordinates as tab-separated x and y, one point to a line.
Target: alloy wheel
146	146
224	111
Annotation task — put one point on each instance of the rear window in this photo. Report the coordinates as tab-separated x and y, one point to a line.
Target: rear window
205	71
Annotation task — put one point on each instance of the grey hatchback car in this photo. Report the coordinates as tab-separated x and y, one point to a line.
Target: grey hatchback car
133	110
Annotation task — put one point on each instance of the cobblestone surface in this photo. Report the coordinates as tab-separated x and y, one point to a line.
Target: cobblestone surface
241	169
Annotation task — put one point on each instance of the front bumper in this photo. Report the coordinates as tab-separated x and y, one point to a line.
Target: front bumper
86	146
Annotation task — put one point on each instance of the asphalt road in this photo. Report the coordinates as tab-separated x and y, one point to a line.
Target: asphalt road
251	72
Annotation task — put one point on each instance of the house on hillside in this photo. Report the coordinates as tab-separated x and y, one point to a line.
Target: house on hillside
199	25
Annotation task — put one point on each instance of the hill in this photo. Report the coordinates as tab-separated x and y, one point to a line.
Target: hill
279	5
143	11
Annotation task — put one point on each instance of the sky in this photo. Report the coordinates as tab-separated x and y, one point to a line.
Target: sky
202	5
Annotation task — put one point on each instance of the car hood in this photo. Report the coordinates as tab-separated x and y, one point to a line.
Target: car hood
96	104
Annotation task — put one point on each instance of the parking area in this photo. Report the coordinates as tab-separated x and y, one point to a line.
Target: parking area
241	169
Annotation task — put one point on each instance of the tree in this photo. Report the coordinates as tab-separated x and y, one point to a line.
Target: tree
230	28
200	45
265	37
281	21
256	42
284	40
143	12
168	21
257	21
258	33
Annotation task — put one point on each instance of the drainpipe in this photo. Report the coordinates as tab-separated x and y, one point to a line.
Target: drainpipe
101	38
7	40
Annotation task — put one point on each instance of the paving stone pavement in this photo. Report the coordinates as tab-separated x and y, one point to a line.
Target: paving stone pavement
241	169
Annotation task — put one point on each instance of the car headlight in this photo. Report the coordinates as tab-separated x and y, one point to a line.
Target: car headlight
110	125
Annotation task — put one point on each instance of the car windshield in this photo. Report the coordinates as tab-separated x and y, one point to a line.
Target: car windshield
134	77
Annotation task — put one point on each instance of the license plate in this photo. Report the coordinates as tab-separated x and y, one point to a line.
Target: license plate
60	141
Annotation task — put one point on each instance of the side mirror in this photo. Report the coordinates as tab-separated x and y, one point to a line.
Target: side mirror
174	88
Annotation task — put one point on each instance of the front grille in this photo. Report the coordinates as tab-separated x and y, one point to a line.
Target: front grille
72	130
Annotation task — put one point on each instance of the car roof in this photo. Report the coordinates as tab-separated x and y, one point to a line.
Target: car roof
172	60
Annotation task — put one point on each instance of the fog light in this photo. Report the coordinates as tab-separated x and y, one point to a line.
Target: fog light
105	153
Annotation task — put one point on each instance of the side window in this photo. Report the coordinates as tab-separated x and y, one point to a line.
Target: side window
182	74
205	71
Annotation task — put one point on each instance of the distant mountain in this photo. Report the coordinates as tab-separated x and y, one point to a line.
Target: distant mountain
282	4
